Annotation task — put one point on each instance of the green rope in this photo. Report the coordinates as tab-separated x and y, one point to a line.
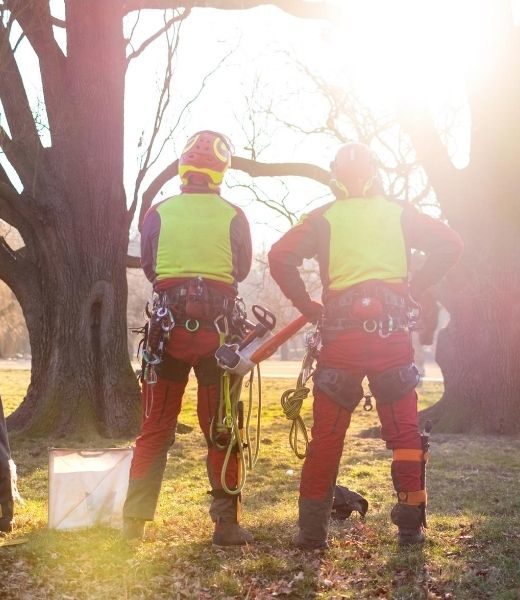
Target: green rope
292	399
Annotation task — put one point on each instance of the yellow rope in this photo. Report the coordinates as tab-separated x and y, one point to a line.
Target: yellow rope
291	402
292	399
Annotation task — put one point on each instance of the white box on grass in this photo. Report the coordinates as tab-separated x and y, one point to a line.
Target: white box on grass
87	487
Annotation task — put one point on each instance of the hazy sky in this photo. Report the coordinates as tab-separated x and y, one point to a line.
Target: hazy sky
390	52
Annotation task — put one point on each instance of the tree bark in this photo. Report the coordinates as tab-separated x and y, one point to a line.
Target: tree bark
74	292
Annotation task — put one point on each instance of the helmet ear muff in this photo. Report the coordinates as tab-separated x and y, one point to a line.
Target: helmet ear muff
354	170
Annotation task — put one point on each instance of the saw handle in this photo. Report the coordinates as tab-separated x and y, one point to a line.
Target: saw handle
268	348
264	316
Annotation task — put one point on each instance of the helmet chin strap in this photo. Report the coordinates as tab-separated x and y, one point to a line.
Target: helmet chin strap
199	183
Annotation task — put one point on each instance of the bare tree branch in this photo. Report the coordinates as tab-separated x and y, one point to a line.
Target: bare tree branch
133	262
159	181
162	104
36	21
297	8
9	198
154	188
16	105
17	155
10	263
58	22
433	155
259	169
158	33
251	167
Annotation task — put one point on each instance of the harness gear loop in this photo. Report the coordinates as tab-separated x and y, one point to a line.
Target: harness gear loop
370	328
190	327
292	399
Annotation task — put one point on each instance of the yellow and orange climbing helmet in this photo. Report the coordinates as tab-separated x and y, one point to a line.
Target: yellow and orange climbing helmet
207	154
353	170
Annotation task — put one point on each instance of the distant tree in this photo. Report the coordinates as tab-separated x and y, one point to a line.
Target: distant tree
478	350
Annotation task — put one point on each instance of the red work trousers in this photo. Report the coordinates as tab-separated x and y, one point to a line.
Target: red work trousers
161	407
360	353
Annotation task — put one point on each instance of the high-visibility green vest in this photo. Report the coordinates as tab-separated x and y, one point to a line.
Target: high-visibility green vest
366	241
194	238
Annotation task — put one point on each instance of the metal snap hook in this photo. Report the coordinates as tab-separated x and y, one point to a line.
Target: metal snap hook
222	325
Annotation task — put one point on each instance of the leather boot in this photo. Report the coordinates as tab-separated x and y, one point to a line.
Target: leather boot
6	517
313	523
224	512
133	529
409	520
230	534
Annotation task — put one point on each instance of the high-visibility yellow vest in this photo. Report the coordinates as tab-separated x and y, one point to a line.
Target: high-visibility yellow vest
194	238
366	241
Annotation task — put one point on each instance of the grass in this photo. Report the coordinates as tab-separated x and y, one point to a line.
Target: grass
472	552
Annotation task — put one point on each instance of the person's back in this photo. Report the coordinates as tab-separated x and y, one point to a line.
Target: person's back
195	248
362	242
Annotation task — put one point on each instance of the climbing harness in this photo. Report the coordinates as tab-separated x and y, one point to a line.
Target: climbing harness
372	308
292	399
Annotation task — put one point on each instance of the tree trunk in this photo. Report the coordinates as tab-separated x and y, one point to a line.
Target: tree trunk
478	350
74	296
81	379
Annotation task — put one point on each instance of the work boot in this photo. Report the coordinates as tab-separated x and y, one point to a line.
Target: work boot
6	525
6	517
314	523
300	541
224	511
231	534
409	520
133	529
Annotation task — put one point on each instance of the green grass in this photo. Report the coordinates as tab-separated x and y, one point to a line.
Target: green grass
472	552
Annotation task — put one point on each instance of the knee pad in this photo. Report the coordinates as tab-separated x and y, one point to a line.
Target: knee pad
172	369
389	386
207	371
340	386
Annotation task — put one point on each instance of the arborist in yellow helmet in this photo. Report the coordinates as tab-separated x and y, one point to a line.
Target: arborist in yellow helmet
362	242
195	248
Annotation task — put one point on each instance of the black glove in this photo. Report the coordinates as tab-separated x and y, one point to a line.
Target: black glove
313	311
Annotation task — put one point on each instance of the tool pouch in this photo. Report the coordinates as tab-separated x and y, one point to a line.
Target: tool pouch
198	303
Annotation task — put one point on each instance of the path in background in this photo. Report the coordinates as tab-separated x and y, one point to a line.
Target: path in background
289	369
285	369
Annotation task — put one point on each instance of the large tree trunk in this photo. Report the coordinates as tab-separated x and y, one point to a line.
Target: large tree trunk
74	299
81	379
478	350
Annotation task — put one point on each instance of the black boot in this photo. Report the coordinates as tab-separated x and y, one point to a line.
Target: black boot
6	517
313	523
409	520
133	529
224	513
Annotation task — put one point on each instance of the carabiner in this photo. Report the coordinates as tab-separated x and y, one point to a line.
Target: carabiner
222	325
